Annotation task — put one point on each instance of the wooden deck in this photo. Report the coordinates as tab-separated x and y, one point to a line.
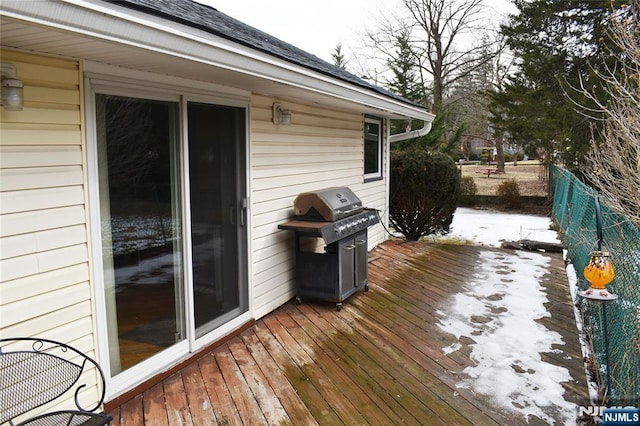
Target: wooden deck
379	361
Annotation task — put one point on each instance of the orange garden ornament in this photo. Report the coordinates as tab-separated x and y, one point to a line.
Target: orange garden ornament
599	272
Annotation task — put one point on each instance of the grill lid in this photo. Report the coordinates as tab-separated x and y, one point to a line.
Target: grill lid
329	204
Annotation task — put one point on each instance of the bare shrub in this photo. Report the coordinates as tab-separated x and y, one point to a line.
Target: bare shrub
468	190
509	194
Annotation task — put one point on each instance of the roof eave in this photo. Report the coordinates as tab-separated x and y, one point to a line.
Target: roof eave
114	24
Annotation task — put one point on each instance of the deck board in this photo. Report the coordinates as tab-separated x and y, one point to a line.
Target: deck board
340	357
178	409
196	393
240	391
296	410
378	361
225	410
267	399
154	407
330	365
306	389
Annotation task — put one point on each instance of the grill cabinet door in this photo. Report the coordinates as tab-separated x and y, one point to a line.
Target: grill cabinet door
347	265
361	258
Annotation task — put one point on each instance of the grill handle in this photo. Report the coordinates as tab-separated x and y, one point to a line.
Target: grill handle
353	210
350	211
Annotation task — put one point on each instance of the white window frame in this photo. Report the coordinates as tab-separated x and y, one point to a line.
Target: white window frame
373	176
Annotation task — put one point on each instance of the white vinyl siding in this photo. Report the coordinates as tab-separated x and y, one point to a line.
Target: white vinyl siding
321	148
44	271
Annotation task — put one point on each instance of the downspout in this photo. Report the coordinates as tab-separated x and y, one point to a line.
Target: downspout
409	134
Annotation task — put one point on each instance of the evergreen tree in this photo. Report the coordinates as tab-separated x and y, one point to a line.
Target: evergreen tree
338	57
425	182
402	64
556	44
405	82
445	133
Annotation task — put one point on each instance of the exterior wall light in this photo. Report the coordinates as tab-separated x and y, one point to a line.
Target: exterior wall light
280	115
12	92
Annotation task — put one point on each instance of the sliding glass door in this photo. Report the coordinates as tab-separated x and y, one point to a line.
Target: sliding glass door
217	207
173	262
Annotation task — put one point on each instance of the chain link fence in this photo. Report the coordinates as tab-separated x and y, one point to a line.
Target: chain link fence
612	327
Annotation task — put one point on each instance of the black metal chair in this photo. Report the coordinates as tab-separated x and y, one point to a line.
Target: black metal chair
34	372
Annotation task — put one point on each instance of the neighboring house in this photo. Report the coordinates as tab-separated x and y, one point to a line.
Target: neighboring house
143	181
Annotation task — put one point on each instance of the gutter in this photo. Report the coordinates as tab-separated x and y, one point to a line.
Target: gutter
410	134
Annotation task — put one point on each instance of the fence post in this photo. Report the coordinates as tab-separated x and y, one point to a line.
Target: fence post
603	305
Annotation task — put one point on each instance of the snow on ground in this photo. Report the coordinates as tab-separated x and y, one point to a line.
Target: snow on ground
497	312
572	277
489	227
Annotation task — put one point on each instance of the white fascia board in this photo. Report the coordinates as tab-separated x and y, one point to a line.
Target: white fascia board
109	22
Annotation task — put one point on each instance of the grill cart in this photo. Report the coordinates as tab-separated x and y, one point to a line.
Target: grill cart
330	231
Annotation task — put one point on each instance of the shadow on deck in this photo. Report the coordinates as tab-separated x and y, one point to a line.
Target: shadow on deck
393	355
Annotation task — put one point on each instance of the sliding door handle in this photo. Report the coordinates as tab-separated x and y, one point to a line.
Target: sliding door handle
243	211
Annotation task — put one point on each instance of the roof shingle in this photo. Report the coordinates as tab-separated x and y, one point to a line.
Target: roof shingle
211	20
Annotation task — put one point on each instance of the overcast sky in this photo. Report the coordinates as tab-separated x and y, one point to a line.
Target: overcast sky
317	26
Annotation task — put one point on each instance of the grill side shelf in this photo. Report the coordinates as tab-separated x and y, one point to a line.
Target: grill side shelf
312	229
304	226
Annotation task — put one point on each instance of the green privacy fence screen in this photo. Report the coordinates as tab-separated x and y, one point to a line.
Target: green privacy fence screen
612	327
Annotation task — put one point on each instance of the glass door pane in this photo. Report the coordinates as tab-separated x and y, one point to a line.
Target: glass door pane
216	180
141	226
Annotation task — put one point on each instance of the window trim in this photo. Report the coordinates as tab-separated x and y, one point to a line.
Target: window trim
378	175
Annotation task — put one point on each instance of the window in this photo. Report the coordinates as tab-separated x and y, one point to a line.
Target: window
372	149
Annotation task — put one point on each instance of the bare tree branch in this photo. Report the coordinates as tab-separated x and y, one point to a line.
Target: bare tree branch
613	164
446	39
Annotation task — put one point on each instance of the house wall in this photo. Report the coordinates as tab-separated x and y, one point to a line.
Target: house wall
45	287
44	271
321	148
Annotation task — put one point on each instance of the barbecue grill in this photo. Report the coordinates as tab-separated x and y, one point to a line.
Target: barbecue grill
335	217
